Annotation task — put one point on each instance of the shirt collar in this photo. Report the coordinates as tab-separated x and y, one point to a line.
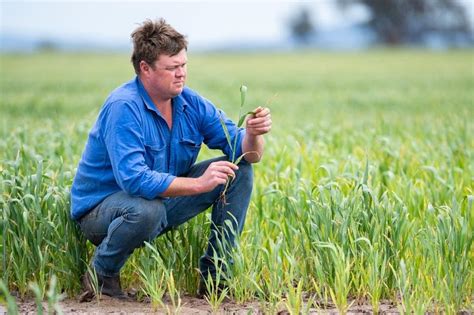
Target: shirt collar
179	103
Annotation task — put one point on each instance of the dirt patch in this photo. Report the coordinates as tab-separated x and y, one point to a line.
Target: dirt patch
190	305
106	305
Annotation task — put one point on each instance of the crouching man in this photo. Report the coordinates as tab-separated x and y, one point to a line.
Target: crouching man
137	177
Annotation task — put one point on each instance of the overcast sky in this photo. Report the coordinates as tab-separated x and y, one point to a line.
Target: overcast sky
204	22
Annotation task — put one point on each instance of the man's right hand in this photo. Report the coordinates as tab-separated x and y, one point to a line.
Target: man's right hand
216	174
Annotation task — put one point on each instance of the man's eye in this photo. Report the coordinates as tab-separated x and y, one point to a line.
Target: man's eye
174	68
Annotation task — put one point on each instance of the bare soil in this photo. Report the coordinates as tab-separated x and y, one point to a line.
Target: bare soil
190	305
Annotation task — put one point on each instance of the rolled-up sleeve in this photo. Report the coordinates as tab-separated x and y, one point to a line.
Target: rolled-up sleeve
123	138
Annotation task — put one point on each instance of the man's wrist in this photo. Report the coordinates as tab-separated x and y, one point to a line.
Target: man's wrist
251	139
196	185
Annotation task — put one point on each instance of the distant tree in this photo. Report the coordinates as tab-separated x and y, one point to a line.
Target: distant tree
301	26
46	45
409	21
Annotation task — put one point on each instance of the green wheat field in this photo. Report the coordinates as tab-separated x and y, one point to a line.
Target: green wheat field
365	191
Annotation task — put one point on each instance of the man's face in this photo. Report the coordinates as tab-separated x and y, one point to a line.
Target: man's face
169	74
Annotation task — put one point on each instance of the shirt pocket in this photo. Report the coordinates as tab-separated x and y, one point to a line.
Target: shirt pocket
156	157
189	149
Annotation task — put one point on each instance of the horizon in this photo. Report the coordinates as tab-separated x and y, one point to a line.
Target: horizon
215	25
209	26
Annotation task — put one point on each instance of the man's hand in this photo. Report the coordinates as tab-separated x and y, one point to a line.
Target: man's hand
256	127
216	174
260	123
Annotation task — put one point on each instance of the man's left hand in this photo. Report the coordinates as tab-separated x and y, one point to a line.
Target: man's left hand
260	122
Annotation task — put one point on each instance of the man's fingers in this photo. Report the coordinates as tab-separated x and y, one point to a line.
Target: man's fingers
220	175
261	131
225	170
226	164
257	110
261	111
221	170
255	122
262	114
259	121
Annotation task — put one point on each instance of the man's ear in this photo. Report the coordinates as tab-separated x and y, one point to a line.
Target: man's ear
144	67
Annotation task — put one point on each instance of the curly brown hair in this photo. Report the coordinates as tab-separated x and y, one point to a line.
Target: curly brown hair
153	38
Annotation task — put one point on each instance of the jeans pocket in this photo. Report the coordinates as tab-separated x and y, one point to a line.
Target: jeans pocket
95	238
90	227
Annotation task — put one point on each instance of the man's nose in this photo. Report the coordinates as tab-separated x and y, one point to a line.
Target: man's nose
181	72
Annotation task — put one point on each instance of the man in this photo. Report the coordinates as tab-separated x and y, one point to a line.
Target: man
137	178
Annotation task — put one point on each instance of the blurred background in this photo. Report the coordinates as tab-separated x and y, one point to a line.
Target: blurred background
236	26
368	98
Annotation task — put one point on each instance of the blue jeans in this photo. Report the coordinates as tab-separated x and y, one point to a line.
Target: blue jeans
121	223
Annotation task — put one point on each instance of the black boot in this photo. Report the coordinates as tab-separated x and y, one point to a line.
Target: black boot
109	286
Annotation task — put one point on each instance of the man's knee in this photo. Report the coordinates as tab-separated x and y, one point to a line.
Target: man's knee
149	215
245	174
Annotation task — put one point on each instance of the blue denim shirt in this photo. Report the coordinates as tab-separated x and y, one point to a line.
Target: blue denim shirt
131	147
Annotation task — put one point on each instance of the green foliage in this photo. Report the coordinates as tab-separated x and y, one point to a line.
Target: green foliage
365	189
